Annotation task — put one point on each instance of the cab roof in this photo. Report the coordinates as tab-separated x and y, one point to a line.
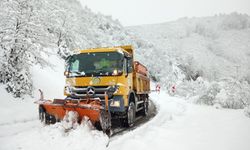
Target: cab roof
126	49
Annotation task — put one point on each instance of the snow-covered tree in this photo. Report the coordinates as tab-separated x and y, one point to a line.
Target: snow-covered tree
22	42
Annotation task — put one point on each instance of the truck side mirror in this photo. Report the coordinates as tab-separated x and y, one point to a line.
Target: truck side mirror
129	66
130	69
66	73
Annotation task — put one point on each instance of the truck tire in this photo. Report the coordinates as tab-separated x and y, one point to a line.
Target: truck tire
49	119
46	118
145	108
41	113
130	120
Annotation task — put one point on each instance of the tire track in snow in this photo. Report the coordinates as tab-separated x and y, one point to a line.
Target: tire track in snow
18	121
14	128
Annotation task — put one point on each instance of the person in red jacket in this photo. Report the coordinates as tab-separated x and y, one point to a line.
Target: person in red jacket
158	88
173	89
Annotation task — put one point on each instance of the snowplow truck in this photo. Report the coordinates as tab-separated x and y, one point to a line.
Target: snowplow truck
104	84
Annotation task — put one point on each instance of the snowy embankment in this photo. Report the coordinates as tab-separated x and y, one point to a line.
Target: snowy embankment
177	125
180	125
50	80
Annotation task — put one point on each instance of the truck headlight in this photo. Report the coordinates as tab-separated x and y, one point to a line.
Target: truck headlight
115	72
116	88
112	90
115	103
67	90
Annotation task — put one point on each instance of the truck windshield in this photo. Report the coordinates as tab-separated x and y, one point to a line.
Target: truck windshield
95	64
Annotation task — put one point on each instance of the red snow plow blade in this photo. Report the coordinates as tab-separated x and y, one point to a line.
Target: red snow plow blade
59	107
54	111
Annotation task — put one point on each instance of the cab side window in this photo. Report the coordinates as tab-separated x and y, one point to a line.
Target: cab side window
125	65
130	65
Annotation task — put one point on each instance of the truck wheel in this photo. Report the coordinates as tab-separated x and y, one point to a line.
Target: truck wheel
41	112
130	114
49	119
145	108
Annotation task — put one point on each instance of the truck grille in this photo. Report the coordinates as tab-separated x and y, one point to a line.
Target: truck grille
81	91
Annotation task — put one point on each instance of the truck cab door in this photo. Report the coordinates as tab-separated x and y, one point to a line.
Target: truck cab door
128	65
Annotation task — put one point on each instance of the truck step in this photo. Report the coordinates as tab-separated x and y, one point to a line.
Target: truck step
139	109
139	102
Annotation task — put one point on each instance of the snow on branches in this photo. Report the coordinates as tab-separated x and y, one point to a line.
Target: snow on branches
22	39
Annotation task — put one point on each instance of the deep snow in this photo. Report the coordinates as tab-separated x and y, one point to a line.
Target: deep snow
177	125
180	125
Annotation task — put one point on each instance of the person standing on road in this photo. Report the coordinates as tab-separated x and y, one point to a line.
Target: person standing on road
158	88
173	89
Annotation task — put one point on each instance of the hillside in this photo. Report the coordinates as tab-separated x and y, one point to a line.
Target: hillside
215	47
212	52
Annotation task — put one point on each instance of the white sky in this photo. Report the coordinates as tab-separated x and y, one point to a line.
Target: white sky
137	12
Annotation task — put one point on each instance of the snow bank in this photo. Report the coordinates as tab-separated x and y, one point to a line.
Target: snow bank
14	110
49	79
247	111
180	125
226	93
54	137
229	93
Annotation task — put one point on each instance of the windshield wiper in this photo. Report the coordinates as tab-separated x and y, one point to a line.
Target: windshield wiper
78	73
98	71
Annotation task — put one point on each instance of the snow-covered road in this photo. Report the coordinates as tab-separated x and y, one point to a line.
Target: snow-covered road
183	126
178	125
